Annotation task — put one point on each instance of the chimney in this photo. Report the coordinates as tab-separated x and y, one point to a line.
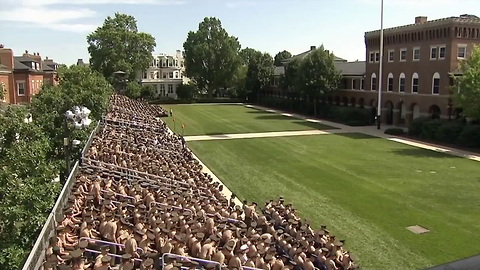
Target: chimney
80	62
313	48
46	58
420	19
1	46
26	51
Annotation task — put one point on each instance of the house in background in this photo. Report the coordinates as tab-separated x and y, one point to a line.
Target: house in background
23	76
165	73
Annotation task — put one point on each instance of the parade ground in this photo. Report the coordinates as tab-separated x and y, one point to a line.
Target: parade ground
368	190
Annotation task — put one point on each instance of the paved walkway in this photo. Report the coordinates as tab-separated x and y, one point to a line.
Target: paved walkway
257	135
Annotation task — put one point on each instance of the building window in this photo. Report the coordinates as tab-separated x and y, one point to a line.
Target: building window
170	75
462	51
354	84
433	53
21	88
436	84
372	57
170	88
164	75
152	75
362	85
176	75
373	82
401	83
415	83
416	54
391	55
390	82
3	88
377	57
442	52
162	90
144	75
403	55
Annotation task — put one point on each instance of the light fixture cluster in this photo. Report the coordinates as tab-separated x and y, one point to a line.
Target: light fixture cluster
79	116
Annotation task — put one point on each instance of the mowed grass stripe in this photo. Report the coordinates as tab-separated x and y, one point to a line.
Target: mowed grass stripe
366	189
232	118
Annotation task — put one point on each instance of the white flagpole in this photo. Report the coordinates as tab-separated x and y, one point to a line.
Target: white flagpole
380	71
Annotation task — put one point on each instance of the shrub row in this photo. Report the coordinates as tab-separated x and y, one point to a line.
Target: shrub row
446	131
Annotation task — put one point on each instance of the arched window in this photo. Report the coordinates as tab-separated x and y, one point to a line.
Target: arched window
436	84
401	82
415	83
373	82
390	82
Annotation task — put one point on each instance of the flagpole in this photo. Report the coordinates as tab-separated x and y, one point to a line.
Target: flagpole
380	71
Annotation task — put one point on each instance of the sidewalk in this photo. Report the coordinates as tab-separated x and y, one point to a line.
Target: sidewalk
373	131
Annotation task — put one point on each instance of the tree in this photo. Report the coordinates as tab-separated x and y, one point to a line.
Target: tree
288	79
117	45
279	57
467	95
133	90
148	91
259	71
78	85
317	75
186	91
211	56
27	192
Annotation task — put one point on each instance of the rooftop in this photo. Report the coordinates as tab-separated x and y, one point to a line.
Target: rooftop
304	54
464	19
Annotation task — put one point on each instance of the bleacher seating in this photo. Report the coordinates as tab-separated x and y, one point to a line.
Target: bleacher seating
141	201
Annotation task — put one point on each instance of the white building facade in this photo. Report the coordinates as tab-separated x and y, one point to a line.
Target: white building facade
166	73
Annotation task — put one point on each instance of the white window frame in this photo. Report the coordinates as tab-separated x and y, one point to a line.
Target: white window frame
413	54
436	76
390	76
24	88
415	76
4	88
463	46
373	76
391	56
439	49
402	76
436	54
400	55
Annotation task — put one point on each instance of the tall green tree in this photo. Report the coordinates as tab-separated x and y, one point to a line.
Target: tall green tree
317	75
259	71
27	192
118	45
288	79
211	56
279	57
467	95
78	86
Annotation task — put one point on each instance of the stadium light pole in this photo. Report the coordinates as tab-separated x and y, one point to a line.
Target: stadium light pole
380	71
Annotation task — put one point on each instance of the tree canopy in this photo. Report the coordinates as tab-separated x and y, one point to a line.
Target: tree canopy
118	45
211	56
27	192
317	75
78	85
259	70
279	57
467	95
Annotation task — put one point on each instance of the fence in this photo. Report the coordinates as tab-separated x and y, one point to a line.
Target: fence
37	254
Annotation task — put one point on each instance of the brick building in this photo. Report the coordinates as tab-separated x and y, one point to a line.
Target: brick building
417	65
23	76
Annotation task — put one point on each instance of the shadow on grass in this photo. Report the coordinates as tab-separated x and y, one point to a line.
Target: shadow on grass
313	125
258	111
218	134
356	136
268	116
421	153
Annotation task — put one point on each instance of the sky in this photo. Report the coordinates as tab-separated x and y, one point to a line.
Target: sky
58	28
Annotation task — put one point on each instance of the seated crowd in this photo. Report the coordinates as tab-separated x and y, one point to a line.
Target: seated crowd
141	201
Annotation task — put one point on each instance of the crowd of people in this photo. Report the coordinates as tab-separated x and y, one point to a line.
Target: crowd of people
141	201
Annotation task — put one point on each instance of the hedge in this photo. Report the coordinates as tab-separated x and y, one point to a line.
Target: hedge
470	136
394	131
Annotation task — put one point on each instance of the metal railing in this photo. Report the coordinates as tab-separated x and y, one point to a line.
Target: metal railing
37	254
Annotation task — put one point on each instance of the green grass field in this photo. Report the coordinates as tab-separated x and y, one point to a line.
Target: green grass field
366	190
227	119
